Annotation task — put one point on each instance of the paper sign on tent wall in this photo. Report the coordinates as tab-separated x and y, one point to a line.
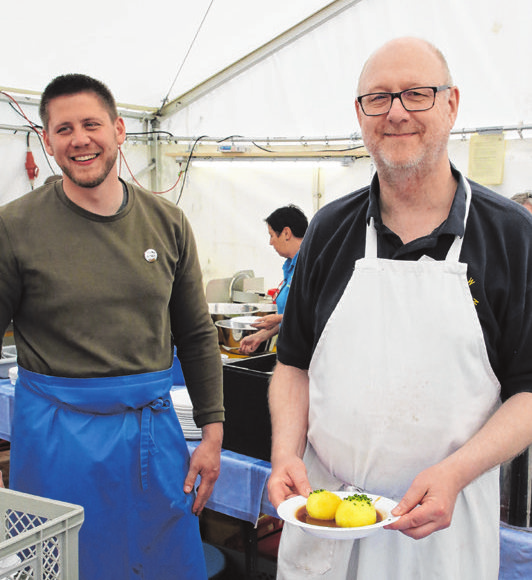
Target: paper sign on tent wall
486	158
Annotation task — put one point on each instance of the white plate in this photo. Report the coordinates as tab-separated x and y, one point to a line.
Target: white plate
191	435
245	320
239	323
181	399
287	512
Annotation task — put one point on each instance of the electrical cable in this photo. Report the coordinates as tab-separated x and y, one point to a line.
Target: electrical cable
150	133
185	171
45	153
123	158
182	174
262	148
18	109
165	100
31	167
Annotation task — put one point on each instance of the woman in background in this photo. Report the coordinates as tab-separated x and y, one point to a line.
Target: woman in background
287	226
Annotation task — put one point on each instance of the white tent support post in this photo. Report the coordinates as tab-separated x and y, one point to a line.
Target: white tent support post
155	155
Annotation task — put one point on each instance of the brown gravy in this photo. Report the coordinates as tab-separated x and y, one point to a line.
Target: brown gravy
302	516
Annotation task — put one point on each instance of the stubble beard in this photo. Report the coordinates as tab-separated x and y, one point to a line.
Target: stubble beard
95	181
421	165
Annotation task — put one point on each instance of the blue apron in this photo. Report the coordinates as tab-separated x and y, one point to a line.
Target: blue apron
115	446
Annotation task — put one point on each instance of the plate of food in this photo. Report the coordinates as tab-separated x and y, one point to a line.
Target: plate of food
338	515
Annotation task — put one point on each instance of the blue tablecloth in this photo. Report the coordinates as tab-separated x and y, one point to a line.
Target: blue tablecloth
240	490
516	553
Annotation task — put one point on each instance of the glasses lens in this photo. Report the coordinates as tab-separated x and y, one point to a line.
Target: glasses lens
418	99
376	104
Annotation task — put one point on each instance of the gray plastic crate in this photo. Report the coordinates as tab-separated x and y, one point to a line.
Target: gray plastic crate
38	537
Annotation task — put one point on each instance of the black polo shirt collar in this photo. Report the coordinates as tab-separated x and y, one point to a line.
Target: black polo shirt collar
435	245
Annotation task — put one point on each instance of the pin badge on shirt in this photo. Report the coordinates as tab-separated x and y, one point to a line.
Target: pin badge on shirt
150	255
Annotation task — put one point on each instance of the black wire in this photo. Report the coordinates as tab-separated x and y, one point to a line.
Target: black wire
22	115
150	133
262	148
314	151
228	137
339	150
42	146
185	171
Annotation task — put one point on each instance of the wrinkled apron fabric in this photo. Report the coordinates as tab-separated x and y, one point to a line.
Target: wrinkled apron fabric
114	446
399	380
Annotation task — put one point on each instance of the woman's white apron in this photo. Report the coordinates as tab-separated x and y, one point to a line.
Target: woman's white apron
399	380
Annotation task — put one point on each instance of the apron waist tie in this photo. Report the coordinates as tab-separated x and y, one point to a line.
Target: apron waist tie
158	405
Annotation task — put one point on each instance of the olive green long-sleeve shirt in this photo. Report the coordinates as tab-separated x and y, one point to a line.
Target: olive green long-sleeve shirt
94	296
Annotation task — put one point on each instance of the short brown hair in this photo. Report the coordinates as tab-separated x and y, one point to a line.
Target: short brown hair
72	84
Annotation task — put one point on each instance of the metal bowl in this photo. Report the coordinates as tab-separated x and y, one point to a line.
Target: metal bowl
227	310
264	308
232	331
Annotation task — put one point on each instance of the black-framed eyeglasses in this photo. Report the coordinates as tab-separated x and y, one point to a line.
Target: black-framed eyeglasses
415	99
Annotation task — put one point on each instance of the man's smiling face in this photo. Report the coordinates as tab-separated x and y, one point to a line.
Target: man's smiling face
83	138
399	139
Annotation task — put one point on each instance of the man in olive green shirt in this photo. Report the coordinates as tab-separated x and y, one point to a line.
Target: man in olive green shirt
102	280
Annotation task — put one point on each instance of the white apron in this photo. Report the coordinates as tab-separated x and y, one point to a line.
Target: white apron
399	380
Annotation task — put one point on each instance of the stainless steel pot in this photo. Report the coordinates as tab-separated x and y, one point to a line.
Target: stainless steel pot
234	330
264	308
227	310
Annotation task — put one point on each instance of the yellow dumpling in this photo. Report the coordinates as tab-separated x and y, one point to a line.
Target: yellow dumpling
322	504
355	511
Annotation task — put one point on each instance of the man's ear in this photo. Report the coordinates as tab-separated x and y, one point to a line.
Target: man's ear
120	127
47	144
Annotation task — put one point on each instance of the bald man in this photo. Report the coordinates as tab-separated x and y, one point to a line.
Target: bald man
404	365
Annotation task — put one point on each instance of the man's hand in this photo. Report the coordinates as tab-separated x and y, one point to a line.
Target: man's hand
268	322
288	478
252	342
205	462
428	504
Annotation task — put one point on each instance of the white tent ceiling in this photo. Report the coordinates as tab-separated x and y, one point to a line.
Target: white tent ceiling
137	47
153	52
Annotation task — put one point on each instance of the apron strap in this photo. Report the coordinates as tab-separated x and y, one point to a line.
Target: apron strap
147	443
371	239
454	251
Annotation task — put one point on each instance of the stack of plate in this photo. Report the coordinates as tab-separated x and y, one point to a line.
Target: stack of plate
183	408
